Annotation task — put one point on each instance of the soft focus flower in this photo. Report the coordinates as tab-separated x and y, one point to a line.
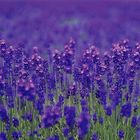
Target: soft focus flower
108	111
16	135
101	120
15	122
66	131
95	137
94	117
3	114
126	110
71	138
83	124
138	133
121	134
134	121
3	136
55	137
51	116
70	114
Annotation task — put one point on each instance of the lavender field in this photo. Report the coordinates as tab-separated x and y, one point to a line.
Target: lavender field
69	70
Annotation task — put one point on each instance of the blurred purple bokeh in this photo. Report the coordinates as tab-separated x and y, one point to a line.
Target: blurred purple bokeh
52	22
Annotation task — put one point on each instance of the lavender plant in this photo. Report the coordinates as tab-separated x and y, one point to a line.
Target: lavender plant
59	97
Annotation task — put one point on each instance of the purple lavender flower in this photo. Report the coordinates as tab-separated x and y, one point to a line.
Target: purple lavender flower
39	105
101	120
134	121
55	137
51	116
126	110
84	105
3	114
94	118
95	136
16	135
3	136
138	133
27	117
26	89
121	134
15	122
70	114
83	124
61	100
108	110
71	138
66	131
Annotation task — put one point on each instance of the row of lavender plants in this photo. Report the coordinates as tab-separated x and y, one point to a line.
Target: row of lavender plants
57	97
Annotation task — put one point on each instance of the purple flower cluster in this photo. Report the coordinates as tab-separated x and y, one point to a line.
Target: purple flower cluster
83	123
69	97
70	113
51	116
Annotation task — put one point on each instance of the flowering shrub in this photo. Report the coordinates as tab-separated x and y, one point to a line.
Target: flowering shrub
58	97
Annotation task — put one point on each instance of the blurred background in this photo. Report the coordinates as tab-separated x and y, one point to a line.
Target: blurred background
51	23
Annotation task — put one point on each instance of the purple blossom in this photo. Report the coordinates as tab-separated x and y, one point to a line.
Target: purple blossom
126	110
95	136
55	137
15	122
51	116
70	114
83	124
121	134
134	121
3	136
3	114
